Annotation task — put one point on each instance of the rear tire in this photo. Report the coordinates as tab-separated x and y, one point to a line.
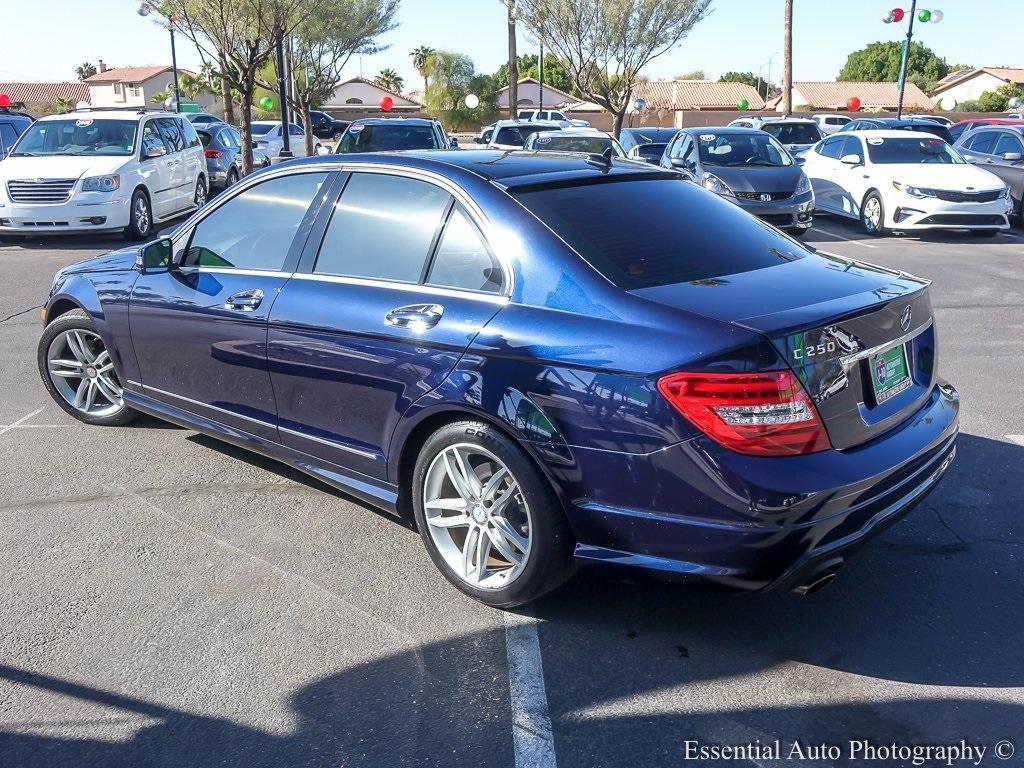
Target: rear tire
140	217
78	371
872	215
232	178
516	522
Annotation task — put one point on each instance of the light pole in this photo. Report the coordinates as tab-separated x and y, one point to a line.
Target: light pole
145	8
768	80
286	150
897	15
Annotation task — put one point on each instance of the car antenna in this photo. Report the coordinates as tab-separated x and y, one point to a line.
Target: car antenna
602	161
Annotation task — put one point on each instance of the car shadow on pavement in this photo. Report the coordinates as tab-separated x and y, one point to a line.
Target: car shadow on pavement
634	668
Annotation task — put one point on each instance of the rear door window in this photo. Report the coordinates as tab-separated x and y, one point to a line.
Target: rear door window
188	132
383	228
151	137
640	240
462	259
171	135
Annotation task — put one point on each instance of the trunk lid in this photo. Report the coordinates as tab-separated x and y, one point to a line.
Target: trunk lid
831	320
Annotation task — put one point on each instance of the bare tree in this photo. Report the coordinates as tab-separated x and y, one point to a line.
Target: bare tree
325	41
605	44
787	59
513	61
242	34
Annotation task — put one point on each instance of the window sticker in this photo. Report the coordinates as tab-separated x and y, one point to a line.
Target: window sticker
875	142
84	122
355	128
708	137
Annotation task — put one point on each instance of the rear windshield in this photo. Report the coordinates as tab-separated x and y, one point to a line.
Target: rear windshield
205	138
793	133
596	144
651	151
259	130
934	129
912	150
383	138
516	135
654	232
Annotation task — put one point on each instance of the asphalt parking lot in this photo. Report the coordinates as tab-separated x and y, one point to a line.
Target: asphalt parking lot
171	601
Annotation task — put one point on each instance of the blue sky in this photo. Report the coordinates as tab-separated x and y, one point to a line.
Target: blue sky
47	44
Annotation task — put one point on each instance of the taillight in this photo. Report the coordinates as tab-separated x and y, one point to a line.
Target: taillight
213	154
760	414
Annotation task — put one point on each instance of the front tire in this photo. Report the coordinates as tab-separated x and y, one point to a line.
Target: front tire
140	217
202	193
488	518
872	215
78	371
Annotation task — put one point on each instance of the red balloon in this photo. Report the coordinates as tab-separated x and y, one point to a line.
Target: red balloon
897	14
853	103
5	100
386	103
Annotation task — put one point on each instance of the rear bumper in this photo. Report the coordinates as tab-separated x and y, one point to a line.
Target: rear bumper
703	512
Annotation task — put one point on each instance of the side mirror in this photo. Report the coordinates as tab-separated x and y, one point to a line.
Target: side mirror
322	150
479	140
155	152
800	159
1012	157
453	143
852	159
155	257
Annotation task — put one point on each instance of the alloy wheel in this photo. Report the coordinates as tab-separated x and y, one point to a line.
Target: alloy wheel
141	213
873	213
200	194
82	372
477	516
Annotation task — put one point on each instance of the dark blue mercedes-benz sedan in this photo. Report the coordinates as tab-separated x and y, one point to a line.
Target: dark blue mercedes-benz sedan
546	358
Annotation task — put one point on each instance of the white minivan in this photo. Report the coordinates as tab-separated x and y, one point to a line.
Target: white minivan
102	170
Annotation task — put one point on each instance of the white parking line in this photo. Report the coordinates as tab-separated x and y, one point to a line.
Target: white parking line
1018	439
9	427
532	739
841	237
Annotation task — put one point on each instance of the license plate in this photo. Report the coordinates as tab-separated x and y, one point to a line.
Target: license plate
890	372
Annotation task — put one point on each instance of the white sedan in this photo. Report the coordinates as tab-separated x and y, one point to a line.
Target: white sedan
907	181
267	136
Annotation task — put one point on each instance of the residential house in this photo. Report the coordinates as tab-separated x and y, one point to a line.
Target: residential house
528	94
832	95
358	94
684	95
43	95
969	84
135	87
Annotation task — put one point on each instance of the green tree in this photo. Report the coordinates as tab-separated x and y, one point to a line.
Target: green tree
63	104
749	78
421	61
555	72
84	70
389	80
452	78
880	61
998	100
606	44
697	74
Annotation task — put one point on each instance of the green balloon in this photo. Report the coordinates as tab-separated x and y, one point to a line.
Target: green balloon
743	106
266	103
924	16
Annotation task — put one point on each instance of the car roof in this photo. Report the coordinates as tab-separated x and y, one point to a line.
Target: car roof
588	132
735	129
883	133
787	120
552	124
507	169
386	120
989	121
110	114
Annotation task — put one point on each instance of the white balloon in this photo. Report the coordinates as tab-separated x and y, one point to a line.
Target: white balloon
937	17
948	103
1014	103
472	100
888	18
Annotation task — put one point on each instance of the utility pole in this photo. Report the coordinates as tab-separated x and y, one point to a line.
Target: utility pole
513	63
282	94
540	78
906	58
787	60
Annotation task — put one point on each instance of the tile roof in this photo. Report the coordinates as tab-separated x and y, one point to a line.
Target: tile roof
548	89
127	75
45	93
1010	74
372	84
834	94
697	94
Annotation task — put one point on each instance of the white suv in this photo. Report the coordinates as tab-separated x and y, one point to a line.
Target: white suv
552	115
102	170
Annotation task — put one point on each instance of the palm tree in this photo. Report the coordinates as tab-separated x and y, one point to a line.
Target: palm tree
421	60
389	80
513	60
86	69
787	60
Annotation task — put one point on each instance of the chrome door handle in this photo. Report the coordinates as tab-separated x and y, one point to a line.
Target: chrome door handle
417	317
244	301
